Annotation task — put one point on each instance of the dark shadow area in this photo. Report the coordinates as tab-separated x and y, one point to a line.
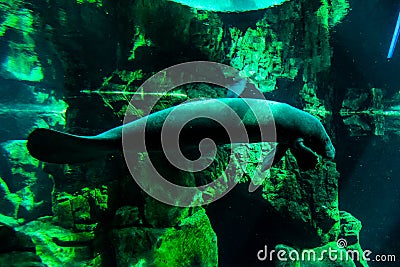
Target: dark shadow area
245	223
369	187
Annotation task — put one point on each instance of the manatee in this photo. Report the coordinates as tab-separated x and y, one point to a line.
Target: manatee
296	130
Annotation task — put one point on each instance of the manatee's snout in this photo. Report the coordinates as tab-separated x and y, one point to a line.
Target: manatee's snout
330	151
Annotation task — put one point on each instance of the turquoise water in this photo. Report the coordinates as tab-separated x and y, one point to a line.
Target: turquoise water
79	66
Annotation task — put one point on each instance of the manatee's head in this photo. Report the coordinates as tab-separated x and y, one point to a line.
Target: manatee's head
330	150
305	150
314	135
322	145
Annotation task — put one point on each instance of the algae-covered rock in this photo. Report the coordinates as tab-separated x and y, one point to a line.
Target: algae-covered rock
64	213
307	199
127	216
190	243
135	245
10	221
21	259
9	202
158	214
13	240
30	79
257	53
367	112
98	3
30	73
288	45
176	32
42	243
17	248
82	211
22	60
350	228
346	251
26	185
57	246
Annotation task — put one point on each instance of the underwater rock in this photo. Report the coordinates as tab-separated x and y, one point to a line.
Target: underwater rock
287	45
72	211
10	221
22	60
346	251
21	259
367	112
29	187
30	72
169	33
134	245
192	242
64	213
20	165
308	200
14	241
293	207
26	107
160	215
163	34
257	53
83	210
31	78
127	216
350	228
57	246
17	249
301	202
9	202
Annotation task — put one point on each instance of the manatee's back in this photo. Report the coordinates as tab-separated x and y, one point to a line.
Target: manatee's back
57	147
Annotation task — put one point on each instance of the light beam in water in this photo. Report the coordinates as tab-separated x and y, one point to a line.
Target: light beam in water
394	38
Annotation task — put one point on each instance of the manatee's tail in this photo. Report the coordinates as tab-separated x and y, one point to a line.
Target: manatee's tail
57	147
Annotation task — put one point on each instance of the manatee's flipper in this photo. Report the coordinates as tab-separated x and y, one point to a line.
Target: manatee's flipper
57	147
305	157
